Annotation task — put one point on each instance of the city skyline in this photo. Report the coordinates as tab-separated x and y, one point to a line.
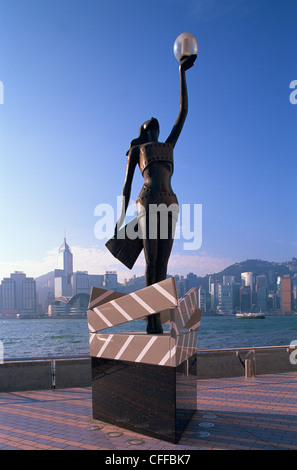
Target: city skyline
65	266
252	285
57	262
78	81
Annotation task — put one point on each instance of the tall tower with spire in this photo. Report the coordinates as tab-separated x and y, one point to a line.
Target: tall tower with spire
64	273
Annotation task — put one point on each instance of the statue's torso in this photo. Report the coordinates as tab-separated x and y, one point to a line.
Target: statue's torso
153	152
156	166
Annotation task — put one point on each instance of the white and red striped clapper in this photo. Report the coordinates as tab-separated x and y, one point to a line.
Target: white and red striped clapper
108	309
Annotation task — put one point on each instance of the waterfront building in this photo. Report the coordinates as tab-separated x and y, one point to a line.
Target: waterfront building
271	280
262	292
279	292
214	296
245	299
8	296
83	282
76	306
236	296
191	281
202	299
80	282
294	292
225	298
210	280
181	286
111	280
64	273
262	298
272	301
247	279
18	295
95	280
286	293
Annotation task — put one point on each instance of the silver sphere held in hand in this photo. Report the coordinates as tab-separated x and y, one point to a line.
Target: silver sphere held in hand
185	45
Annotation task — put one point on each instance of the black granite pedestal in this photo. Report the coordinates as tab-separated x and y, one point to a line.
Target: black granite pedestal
153	400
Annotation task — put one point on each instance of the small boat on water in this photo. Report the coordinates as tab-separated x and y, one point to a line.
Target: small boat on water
250	315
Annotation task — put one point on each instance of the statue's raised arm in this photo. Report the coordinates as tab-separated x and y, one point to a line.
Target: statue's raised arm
185	64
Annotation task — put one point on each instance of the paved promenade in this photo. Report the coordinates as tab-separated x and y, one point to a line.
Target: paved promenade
233	413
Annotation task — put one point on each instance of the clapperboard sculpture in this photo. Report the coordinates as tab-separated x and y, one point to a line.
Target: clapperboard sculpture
146	383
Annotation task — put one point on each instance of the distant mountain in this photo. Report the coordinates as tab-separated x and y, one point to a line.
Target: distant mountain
257	266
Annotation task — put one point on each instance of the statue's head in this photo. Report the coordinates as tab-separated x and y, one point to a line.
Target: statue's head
150	130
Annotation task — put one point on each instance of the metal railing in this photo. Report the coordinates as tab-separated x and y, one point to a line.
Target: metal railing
246	356
248	362
52	360
43	358
247	348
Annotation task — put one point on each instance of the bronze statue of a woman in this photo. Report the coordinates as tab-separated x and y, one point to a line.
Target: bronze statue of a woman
156	202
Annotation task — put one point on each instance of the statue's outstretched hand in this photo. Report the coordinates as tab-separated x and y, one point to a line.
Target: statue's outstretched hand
188	61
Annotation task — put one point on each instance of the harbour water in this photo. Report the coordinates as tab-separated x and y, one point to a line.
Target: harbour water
67	337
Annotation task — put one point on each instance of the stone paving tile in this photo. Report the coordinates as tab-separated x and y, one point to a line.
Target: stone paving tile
235	413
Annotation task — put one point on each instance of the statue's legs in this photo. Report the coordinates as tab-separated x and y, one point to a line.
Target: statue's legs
157	252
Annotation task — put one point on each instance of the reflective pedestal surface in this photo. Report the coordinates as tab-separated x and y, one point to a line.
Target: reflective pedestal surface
153	400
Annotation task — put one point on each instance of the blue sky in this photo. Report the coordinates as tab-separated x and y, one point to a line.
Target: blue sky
81	76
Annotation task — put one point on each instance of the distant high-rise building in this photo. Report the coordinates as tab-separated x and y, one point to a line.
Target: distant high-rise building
262	297
65	258
236	296
272	301
286	293
214	296
111	280
64	275
18	295
95	280
245	299
279	292
80	282
180	285
210	280
271	278
83	282
202	299
261	281
8	296
294	293
262	292
248	280
225	294
191	281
